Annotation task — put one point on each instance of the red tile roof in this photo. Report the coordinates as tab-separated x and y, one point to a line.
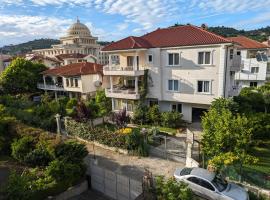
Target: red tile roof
41	57
70	55
76	69
169	37
247	43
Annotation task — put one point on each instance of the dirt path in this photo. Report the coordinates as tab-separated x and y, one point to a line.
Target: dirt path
131	166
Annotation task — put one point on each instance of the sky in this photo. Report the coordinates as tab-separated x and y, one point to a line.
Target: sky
111	20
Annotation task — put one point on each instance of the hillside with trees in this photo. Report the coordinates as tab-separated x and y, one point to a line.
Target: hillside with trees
260	34
35	44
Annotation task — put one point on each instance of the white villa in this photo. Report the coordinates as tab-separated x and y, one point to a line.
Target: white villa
254	62
79	80
78	40
188	67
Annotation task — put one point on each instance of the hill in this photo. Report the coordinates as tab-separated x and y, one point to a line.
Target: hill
32	45
260	35
28	46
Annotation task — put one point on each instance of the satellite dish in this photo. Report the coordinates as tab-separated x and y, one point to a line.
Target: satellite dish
98	83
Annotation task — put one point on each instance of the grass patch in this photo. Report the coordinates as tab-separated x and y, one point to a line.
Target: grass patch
261	152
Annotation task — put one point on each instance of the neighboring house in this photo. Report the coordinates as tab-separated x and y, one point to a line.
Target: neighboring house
67	59
188	67
73	80
49	62
253	63
78	40
5	60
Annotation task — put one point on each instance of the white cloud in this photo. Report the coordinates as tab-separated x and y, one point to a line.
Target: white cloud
20	28
259	19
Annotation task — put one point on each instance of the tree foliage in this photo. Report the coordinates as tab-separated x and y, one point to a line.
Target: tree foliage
21	76
172	190
104	103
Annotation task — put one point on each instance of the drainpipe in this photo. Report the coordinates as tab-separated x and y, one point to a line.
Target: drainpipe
225	74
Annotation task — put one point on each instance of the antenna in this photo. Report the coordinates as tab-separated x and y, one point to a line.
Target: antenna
78	21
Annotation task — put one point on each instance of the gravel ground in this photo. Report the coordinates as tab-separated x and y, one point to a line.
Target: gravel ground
131	166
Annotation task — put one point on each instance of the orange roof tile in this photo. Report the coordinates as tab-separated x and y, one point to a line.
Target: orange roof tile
76	69
247	43
187	35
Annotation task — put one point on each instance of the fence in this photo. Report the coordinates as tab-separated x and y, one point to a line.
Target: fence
113	185
168	147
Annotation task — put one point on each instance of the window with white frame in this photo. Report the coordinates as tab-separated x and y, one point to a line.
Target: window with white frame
254	70
76	82
204	87
150	58
204	58
173	85
173	59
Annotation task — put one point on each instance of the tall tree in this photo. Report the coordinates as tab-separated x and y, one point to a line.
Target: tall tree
104	103
21	76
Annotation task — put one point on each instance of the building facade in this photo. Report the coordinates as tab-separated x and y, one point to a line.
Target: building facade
254	63
78	40
187	68
80	80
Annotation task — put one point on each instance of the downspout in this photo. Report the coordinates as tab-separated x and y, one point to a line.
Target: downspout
225	74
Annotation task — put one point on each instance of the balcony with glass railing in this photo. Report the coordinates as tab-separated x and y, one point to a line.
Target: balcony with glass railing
122	93
55	87
117	69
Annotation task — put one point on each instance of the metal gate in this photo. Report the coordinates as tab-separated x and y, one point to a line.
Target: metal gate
168	147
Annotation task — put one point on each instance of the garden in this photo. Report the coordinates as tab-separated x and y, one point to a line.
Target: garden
40	163
243	121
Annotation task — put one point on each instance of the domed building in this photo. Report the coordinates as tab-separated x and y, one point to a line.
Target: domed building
78	43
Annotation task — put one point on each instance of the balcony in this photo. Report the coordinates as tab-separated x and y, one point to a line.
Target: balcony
43	86
118	70
121	93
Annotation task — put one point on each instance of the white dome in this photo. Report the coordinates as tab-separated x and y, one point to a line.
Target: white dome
78	29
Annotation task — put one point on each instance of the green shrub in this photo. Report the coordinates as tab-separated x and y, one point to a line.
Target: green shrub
171	119
261	125
38	157
63	171
136	144
253	196
140	114
17	187
172	190
20	148
153	115
71	103
71	151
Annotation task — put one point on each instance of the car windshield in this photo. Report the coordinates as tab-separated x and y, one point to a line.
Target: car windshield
220	183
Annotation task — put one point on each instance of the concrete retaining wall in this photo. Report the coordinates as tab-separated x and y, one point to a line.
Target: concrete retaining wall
114	185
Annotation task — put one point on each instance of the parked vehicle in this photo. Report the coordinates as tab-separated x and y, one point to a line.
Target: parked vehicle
210	186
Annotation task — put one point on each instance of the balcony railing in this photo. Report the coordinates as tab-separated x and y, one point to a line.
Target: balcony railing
122	93
123	70
50	87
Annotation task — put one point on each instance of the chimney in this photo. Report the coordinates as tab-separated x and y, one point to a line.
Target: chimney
204	26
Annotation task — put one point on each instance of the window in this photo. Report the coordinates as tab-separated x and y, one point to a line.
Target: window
238	53
194	180
153	102
67	82
231	54
173	85
177	108
71	82
254	70
130	61
150	58
253	84
203	86
174	59
76	82
204	58
206	185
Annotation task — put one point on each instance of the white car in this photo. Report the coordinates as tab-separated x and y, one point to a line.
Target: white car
207	185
